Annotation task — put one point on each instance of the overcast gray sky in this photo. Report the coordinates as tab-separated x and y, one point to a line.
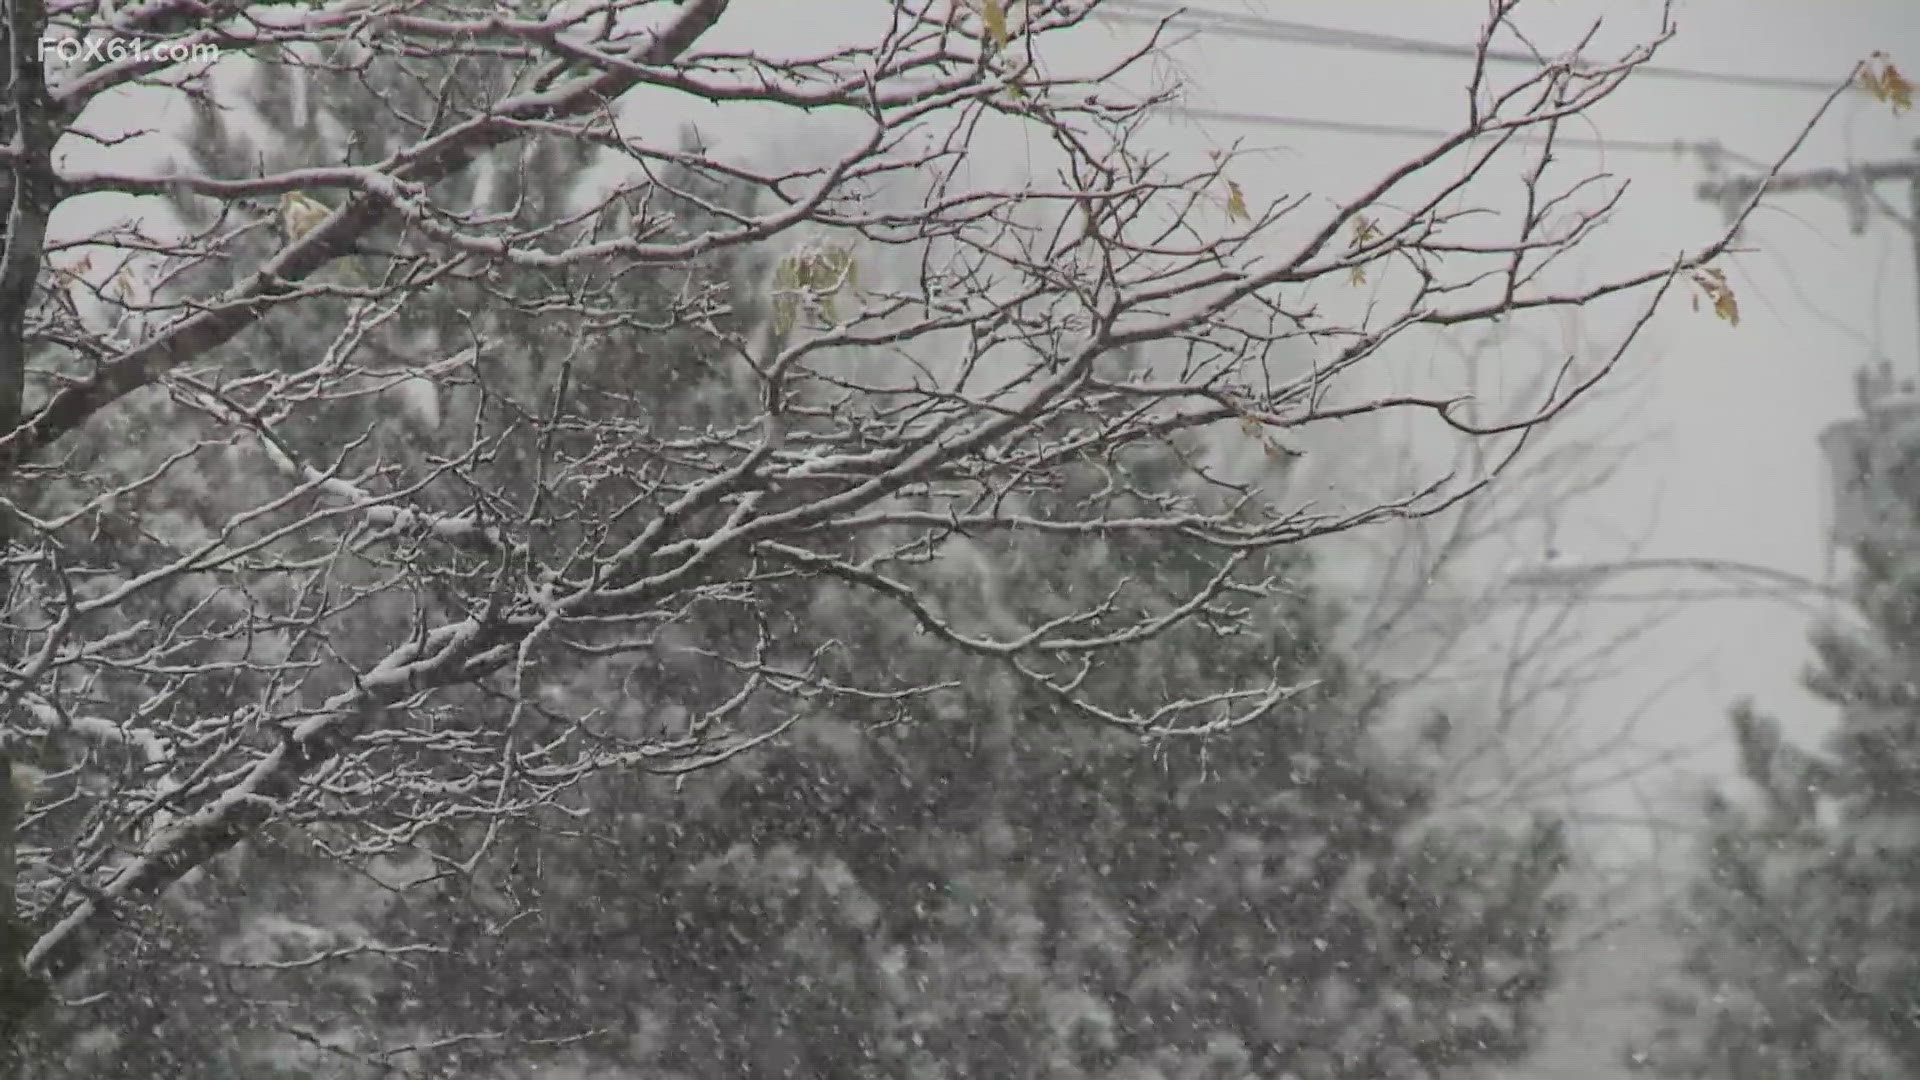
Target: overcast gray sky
1726	417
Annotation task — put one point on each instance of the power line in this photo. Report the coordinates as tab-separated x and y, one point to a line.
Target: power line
1283	31
1707	148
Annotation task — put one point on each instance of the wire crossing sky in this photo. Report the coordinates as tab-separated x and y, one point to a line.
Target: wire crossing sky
1298	33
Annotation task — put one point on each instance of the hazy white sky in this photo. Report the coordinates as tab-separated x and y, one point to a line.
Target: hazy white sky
1726	418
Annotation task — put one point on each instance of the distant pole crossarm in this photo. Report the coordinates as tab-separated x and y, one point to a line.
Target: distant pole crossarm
1733	194
1741	188
1582	575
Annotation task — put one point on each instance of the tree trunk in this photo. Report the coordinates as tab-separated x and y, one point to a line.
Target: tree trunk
26	193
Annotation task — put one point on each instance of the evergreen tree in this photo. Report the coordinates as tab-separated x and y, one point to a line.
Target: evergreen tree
1803	931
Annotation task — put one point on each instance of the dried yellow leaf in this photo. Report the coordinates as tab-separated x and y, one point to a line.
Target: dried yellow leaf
1237	203
994	16
1728	308
1886	83
301	213
1713	286
1898	90
1357	276
812	278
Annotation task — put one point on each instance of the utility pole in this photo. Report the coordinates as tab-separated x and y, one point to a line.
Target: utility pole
1857	186
1861	446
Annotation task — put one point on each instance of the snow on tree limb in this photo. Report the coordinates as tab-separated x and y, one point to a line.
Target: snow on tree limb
314	606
